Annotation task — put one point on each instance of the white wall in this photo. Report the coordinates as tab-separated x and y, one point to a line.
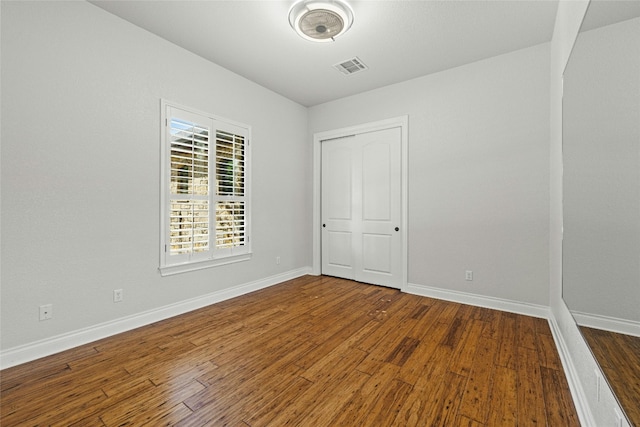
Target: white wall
81	93
478	172
580	365
601	158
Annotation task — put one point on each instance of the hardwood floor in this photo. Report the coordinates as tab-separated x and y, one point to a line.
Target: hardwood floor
619	357
314	351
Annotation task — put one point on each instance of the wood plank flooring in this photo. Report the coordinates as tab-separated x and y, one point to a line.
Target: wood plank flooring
619	357
314	351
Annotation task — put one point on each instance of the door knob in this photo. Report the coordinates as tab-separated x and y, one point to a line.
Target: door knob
397	228
324	225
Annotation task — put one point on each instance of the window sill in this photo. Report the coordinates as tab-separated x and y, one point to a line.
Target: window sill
169	270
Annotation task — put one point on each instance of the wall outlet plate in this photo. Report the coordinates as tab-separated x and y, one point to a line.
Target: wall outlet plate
46	312
118	295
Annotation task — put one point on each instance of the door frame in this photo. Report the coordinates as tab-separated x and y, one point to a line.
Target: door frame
403	123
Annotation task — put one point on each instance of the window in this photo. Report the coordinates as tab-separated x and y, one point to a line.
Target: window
205	190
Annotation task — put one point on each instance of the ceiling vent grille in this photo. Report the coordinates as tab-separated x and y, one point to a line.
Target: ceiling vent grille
351	66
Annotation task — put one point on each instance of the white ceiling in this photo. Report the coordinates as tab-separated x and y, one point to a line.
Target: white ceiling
397	40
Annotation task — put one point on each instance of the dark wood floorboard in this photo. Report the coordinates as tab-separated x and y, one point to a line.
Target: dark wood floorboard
314	351
619	357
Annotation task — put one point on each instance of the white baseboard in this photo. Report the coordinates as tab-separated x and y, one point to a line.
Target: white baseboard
612	324
35	350
517	307
575	386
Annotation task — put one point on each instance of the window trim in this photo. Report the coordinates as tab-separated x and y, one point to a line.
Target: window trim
215	257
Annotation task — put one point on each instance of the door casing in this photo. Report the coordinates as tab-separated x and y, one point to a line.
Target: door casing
403	123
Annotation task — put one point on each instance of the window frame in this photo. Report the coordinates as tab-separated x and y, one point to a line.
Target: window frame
212	256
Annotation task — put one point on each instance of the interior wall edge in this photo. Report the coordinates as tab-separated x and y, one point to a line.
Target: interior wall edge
598	405
571	373
46	347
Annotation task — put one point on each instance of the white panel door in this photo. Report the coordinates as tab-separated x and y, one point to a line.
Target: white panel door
361	207
337	207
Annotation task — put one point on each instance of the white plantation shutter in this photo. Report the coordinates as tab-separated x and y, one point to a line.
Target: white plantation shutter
205	193
189	143
230	228
230	191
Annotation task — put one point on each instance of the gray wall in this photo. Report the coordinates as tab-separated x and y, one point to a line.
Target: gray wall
478	171
601	146
81	93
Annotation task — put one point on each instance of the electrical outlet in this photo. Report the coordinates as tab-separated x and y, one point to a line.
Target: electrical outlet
117	295
278	260
468	275
46	312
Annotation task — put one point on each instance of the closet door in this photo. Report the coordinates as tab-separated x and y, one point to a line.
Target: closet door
361	207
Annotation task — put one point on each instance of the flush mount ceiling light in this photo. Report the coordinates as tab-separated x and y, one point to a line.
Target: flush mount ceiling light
320	21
